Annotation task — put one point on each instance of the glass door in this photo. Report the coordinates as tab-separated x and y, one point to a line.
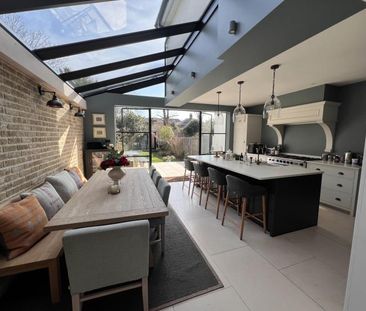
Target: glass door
133	135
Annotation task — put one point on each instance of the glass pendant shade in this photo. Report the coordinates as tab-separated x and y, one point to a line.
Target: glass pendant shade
272	102
239	109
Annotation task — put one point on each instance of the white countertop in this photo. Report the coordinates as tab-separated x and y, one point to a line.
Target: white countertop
351	166
263	171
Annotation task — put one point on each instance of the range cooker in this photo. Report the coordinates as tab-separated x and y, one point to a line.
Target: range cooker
290	159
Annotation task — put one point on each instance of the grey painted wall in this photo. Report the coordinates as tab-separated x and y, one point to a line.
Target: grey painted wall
105	103
266	39
310	139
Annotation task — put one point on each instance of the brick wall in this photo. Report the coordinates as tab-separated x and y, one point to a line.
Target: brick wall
35	140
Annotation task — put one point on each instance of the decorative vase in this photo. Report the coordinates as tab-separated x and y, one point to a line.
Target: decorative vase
116	174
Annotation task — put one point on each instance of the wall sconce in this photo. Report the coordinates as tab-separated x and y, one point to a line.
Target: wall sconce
172	92
80	113
193	74
233	27
54	102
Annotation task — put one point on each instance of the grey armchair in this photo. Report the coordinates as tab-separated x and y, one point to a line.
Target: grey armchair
103	256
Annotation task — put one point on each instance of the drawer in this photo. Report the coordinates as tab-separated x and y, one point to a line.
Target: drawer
337	183
333	170
336	198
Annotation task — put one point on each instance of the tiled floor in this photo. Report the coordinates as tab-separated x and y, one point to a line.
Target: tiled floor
304	270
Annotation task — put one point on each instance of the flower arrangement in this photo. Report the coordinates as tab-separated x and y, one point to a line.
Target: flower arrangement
114	158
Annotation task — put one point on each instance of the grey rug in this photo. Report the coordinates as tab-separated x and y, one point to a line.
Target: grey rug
180	274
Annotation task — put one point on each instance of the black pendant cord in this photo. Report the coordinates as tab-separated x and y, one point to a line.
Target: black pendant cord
273	83
218	102
240	84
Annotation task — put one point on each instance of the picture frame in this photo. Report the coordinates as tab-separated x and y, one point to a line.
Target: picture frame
99	132
98	119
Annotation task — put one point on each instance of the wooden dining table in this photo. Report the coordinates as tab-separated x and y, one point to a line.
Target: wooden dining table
92	205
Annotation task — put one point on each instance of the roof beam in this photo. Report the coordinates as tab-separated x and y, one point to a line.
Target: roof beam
67	76
112	41
97	85
131	87
11	6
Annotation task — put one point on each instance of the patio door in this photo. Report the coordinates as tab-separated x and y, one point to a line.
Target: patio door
133	133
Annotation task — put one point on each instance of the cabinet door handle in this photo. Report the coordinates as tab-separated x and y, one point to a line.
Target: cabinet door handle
338	199
318	169
340	173
339	185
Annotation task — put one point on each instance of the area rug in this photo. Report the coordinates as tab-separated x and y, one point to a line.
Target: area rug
180	274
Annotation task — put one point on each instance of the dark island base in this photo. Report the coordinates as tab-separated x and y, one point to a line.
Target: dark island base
293	203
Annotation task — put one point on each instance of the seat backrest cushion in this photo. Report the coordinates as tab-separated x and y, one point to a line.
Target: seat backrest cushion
156	178
79	183
152	169
78	171
164	190
48	197
64	185
21	226
102	256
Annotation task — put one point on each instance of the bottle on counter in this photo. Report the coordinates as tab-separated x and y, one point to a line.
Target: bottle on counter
241	158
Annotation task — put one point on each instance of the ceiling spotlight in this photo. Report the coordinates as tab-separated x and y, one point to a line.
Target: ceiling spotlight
80	113
54	102
233	28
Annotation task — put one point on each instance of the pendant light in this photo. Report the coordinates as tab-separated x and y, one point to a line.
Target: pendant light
80	113
239	109
219	114
272	102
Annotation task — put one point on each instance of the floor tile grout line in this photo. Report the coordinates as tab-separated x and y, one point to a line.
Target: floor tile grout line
300	262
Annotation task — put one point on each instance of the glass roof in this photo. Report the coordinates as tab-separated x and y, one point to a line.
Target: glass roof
43	28
157	90
81	22
105	56
116	73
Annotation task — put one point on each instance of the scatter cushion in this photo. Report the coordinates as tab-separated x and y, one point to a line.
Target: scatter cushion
76	178
78	172
21	226
64	185
48	197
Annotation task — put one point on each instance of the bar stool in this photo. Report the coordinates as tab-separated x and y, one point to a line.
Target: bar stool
240	188
200	176
217	179
188	166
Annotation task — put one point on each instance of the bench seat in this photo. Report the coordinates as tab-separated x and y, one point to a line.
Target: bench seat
43	255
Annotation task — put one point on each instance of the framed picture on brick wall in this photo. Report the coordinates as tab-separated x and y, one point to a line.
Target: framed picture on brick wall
99	132
98	119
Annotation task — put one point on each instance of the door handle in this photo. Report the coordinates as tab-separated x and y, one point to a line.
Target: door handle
339	185
340	173
318	169
338	199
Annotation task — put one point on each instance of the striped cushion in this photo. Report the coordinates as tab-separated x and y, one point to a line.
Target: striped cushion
78	172
76	178
64	185
48	197
21	226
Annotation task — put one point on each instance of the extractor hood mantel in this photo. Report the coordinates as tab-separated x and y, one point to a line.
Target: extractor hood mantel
324	113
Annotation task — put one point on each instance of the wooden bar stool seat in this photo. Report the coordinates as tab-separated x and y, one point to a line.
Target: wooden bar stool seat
237	187
200	177
217	181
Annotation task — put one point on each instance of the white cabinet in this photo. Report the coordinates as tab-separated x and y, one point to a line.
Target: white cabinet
247	129
339	184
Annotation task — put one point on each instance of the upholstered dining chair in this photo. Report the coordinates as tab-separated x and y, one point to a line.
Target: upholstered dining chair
107	256
152	169
164	190
188	166
156	177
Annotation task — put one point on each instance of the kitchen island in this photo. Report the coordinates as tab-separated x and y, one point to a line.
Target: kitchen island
293	192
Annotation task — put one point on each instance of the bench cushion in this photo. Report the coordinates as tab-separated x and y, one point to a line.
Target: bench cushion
64	185
21	226
76	178
48	198
78	172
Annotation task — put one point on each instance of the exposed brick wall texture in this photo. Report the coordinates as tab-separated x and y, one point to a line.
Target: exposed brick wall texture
35	140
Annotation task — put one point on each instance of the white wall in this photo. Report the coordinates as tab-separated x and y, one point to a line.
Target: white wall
356	287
